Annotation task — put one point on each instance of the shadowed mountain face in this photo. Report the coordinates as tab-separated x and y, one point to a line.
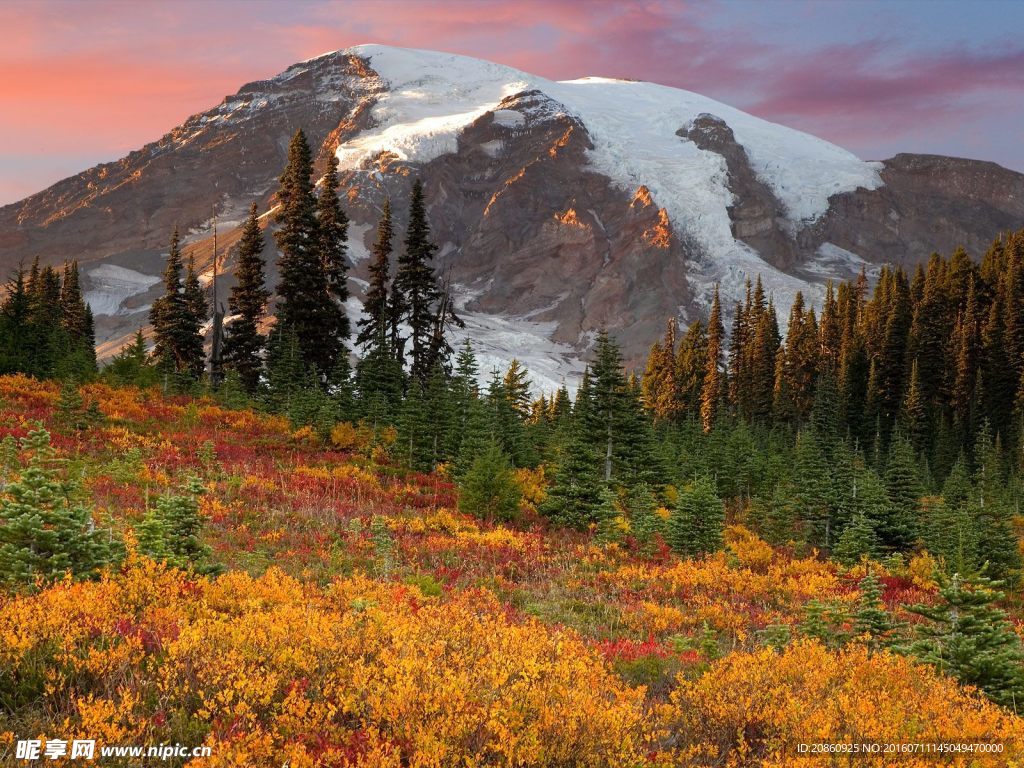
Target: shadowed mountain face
559	207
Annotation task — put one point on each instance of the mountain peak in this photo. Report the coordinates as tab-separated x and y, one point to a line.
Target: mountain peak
559	207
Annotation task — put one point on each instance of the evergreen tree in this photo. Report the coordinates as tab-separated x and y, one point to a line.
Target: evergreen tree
695	525
306	310
333	226
643	518
659	385
857	540
172	531
713	386
913	418
44	531
950	535
517	388
777	519
131	366
243	342
15	330
178	343
872	624
903	486
375	324
416	284
968	637
489	489
576	493
608	401
811	489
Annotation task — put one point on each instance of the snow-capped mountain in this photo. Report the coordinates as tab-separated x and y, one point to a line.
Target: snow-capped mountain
560	207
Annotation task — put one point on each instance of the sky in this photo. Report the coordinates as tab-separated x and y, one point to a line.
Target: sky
83	81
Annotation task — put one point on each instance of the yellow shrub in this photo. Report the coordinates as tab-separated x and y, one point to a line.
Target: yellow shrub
756	707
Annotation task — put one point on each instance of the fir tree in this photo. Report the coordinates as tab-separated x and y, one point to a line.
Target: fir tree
872	624
608	400
243	342
857	540
968	637
489	489
172	531
333	230
713	386
576	492
659	385
690	365
131	366
178	343
903	486
416	284
305	310
375	324
44	531
695	525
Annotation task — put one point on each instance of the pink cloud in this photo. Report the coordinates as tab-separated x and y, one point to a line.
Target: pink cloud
96	79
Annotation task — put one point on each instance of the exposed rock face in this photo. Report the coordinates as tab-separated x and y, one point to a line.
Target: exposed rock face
758	218
543	235
929	203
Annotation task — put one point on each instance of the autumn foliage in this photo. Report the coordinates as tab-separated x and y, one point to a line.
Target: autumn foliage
362	620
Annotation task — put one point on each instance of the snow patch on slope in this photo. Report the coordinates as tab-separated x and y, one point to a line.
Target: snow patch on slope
112	285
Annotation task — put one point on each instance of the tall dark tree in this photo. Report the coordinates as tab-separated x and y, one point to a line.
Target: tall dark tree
375	324
713	386
306	309
177	343
243	342
334	250
416	283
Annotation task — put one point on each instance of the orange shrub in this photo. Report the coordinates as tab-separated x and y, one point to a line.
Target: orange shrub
753	709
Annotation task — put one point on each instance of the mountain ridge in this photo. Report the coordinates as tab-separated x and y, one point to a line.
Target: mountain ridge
560	207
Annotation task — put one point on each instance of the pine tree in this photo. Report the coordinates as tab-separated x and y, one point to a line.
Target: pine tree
44	531
489	489
333	226
872	624
576	492
416	284
695	525
305	309
375	324
690	364
903	486
713	386
243	342
608	400
178	343
968	637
